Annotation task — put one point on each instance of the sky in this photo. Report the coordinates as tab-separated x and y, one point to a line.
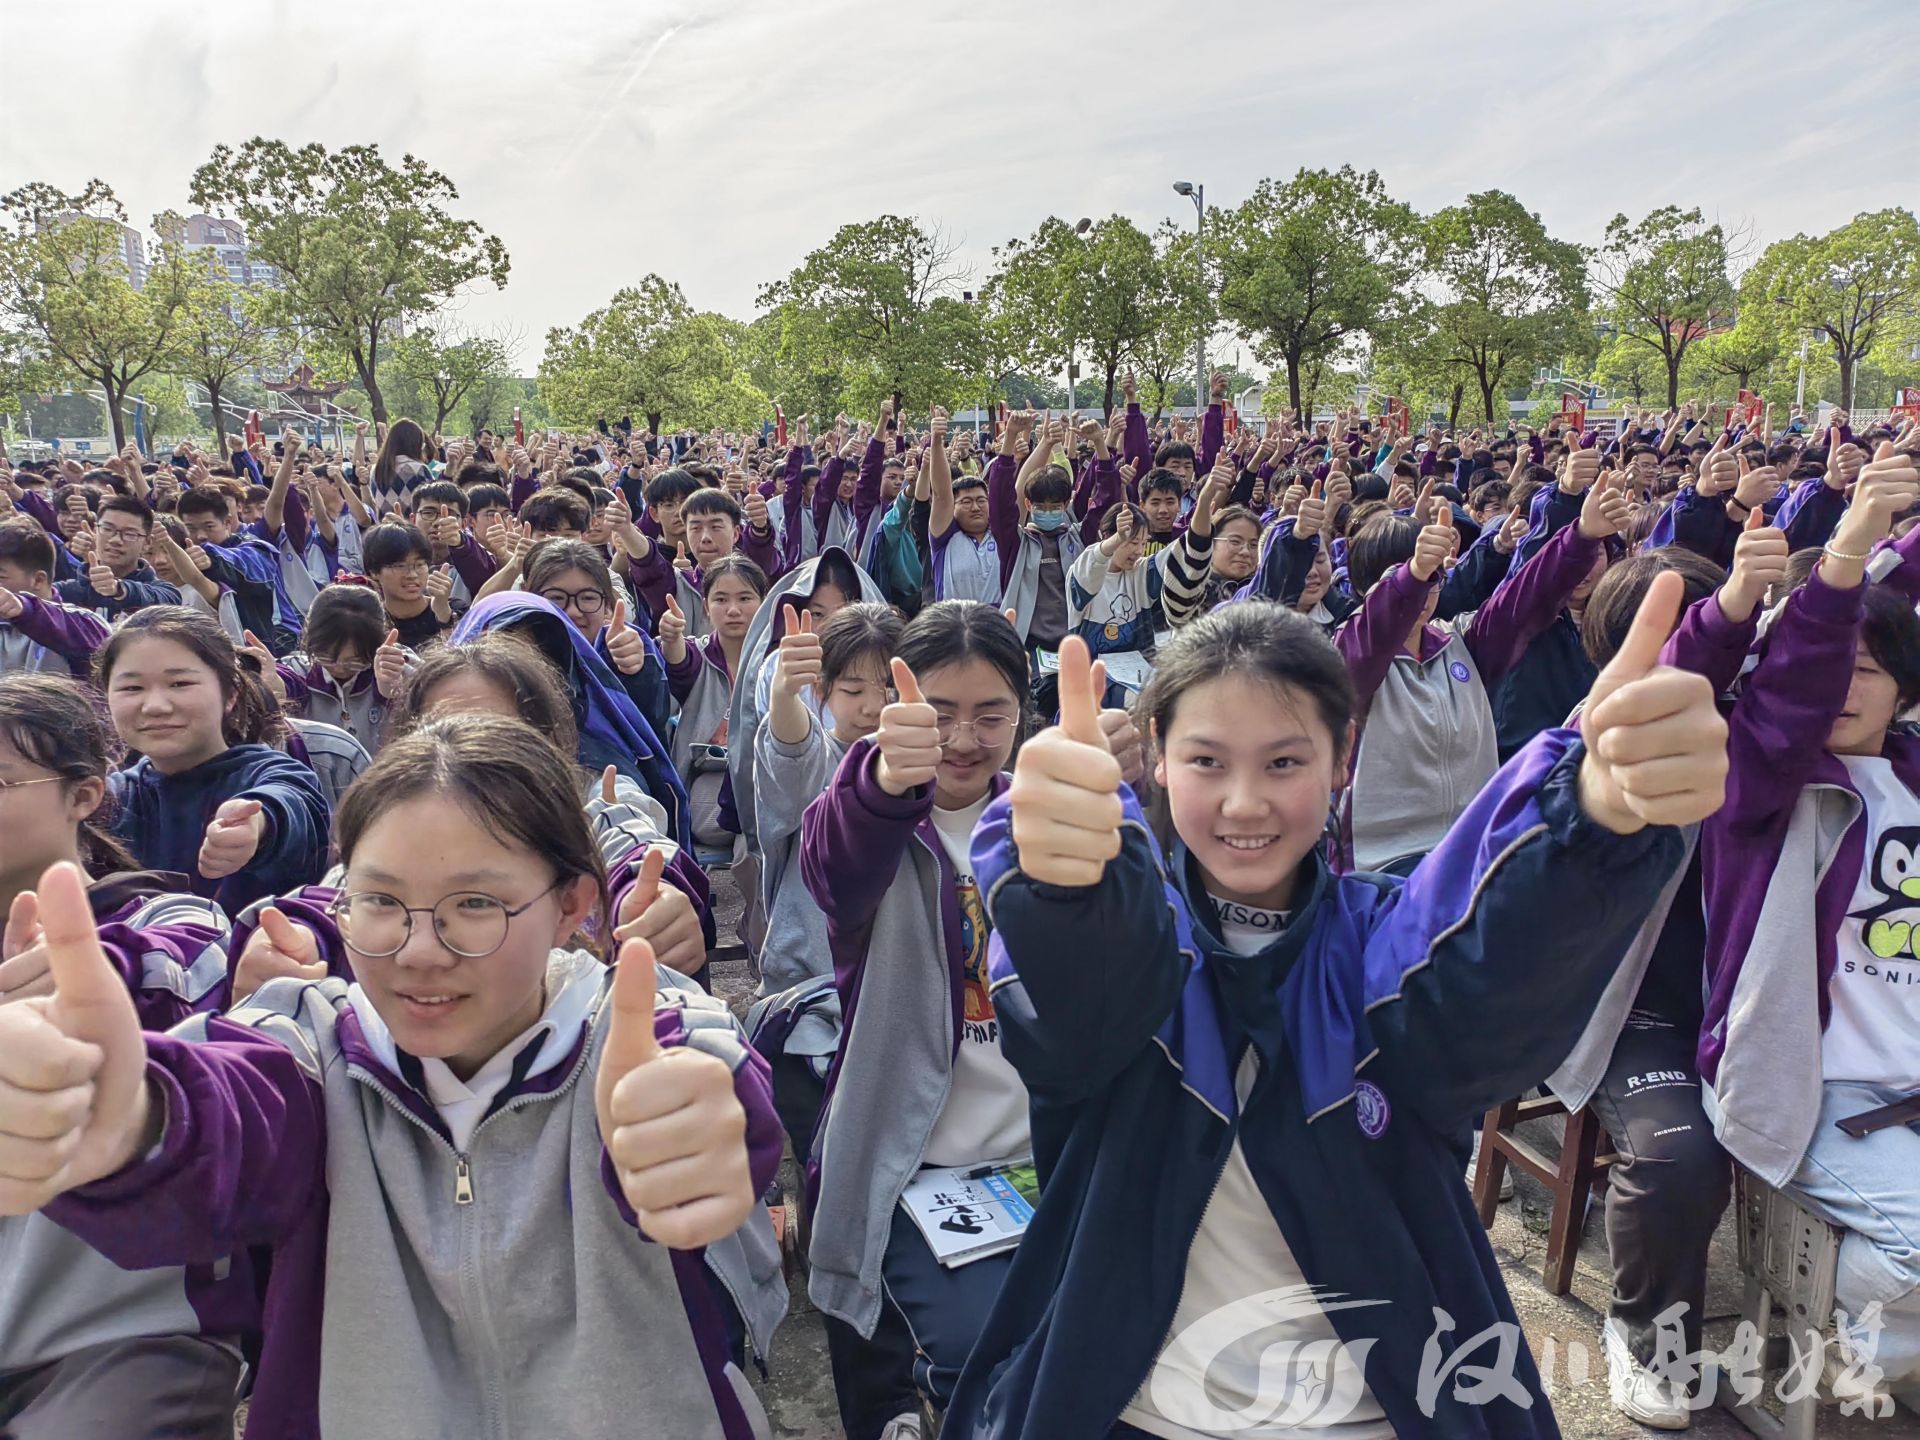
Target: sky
716	142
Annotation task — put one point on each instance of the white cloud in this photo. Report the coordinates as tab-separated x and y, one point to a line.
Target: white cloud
716	141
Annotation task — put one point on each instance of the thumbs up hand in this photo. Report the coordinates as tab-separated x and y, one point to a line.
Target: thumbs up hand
233	835
798	665
440	593
73	1093
624	644
389	667
1759	563
1656	746
908	739
675	1132
1066	785
278	947
663	916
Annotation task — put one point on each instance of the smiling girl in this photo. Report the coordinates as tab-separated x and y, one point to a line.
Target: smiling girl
209	796
1250	1078
485	1170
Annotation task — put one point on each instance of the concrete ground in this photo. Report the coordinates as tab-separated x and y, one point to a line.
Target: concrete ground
799	1389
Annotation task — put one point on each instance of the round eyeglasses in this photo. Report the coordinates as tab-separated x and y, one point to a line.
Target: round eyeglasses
467	923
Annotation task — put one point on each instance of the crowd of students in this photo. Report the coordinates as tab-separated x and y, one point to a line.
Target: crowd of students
1218	821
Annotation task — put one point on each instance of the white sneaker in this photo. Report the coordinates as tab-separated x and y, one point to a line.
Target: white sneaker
905	1426
1473	1164
1636	1391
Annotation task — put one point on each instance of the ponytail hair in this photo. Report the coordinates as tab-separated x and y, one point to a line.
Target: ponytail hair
253	716
53	723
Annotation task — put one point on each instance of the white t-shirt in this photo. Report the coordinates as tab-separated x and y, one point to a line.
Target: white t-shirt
986	1113
1241	1360
1874	1035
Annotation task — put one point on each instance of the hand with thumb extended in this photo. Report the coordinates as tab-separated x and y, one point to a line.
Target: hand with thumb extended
624	645
389	667
674	1130
799	660
908	740
278	947
663	916
1066	785
73	1093
610	785
233	835
1656	744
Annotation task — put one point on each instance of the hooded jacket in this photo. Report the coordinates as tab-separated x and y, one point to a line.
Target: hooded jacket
612	729
59	1295
163	819
1395	1012
394	1306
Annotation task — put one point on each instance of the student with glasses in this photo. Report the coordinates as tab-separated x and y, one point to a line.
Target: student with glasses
333	677
418	599
572	576
119	581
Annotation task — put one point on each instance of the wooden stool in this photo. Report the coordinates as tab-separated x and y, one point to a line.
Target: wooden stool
1571	1179
1787	1259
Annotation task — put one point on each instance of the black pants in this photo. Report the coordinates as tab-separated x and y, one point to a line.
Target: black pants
872	1378
177	1386
1670	1187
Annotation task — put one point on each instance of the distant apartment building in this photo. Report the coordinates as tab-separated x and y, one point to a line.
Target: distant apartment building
224	244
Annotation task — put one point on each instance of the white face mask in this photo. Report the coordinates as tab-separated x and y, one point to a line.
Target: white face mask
1049	520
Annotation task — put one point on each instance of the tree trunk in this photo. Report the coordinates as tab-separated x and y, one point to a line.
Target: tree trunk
1106	400
1673	380
1453	406
1486	398
1845	358
219	419
116	410
376	402
1293	387
653	422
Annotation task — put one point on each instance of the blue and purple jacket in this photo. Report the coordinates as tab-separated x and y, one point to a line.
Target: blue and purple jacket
1388	1015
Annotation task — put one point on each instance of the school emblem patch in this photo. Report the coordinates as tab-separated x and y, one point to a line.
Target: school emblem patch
1458	669
1371	1110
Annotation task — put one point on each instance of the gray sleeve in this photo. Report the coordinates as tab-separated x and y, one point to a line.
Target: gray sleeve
787	779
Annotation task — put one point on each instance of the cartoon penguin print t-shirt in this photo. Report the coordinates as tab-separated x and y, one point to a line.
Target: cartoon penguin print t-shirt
986	1112
1874	1035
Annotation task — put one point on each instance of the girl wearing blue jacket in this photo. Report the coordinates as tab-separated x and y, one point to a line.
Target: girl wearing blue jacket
209	797
1251	1079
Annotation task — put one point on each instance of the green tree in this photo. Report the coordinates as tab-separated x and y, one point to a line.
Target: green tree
1745	352
879	305
1853	284
361	246
647	352
445	365
224	337
65	288
1183	311
1509	297
1311	265
167	410
1663	284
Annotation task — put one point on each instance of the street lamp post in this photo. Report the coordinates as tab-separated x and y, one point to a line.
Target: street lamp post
1197	194
1080	229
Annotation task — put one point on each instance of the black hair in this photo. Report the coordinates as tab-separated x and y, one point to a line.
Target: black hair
440	492
1052	486
53	723
343	620
1890	630
1173	450
547	559
952	632
405	441
869	629
514	665
480	472
487	497
550	511
975	482
669	486
204	500
129	505
1616	599
735	564
393	544
1492	494
707	501
252	716
25	544
1382	543
1261	641
1161	480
